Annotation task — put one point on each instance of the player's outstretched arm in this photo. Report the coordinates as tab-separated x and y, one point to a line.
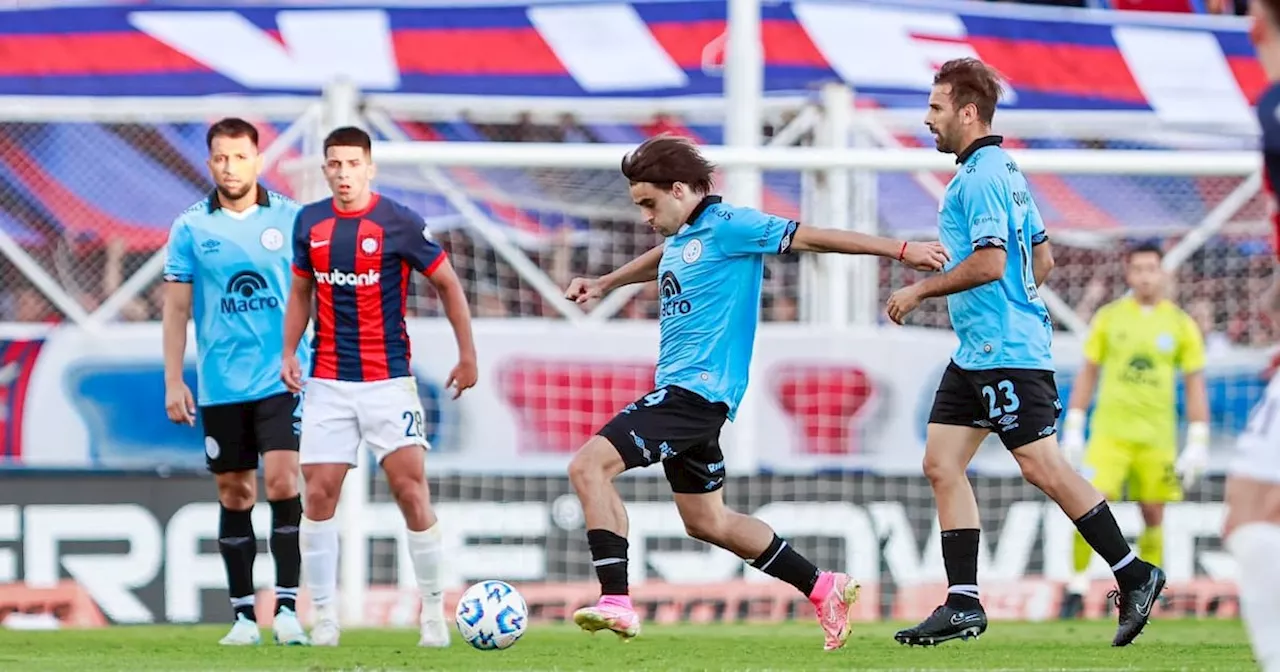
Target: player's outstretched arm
454	299
984	265
297	313
178	401
643	268
920	256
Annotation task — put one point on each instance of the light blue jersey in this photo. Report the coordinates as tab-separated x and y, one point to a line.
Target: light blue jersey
1002	324
709	280
239	264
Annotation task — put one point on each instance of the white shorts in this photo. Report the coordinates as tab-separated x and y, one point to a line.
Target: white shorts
339	415
1257	454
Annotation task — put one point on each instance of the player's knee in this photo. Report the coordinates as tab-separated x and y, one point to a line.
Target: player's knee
596	462
236	489
941	469
1045	470
405	488
281	485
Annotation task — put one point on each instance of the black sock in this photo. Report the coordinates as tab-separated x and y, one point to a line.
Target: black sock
1099	528
238	547
782	562
286	514
609	555
960	556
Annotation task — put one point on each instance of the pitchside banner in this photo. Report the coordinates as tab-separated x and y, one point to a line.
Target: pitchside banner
819	398
91	549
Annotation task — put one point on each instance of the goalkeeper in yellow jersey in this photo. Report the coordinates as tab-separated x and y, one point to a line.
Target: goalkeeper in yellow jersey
1139	343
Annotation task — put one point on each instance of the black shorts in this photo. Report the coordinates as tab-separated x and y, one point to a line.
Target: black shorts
234	434
1021	405
678	428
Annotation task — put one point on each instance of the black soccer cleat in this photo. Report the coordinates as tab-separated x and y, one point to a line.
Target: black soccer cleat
945	624
1134	605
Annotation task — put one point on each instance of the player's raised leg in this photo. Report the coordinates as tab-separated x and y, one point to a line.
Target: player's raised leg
274	421
706	518
1139	582
949	447
591	472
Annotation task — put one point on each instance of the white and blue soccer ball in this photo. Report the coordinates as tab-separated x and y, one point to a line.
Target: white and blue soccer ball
491	615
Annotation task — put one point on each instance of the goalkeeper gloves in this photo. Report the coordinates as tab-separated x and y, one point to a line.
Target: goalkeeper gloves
1073	437
1195	455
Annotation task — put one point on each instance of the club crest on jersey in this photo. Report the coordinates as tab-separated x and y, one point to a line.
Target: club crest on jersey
692	251
272	239
369	246
1165	342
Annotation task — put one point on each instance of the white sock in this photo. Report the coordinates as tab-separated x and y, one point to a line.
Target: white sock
425	549
1256	547
319	545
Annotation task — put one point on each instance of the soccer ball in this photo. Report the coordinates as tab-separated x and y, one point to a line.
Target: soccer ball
491	615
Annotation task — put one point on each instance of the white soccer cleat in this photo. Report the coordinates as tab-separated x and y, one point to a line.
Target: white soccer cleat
433	626
243	633
288	630
435	634
325	633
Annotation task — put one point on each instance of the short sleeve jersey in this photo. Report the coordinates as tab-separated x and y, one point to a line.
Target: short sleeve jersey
709	282
1140	351
238	266
1001	324
362	263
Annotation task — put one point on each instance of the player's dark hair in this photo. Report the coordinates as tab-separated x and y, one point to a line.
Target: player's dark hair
972	82
666	159
1272	8
349	136
1145	247
231	127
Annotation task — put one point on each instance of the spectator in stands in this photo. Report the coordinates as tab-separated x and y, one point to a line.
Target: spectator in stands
1216	341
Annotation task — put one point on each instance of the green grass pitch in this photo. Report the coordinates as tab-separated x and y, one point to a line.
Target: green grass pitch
1166	645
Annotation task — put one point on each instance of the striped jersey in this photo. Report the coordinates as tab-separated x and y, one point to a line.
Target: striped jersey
361	262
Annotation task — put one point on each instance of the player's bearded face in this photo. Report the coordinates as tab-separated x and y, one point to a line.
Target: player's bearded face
943	119
234	164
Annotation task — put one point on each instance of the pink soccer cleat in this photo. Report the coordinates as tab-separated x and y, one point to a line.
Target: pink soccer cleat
612	612
834	597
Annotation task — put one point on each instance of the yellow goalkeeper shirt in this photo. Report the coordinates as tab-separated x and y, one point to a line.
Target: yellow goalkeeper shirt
1140	351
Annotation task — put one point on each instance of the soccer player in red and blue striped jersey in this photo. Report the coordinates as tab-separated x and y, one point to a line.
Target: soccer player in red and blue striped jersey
355	255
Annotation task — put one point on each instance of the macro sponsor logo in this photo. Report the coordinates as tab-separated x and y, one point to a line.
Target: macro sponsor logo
669	289
248	292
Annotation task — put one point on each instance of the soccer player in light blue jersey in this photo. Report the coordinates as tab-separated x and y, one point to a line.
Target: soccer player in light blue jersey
1001	376
709	271
228	261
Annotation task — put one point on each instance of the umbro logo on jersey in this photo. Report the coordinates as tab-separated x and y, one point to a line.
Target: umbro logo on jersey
341	279
248	292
